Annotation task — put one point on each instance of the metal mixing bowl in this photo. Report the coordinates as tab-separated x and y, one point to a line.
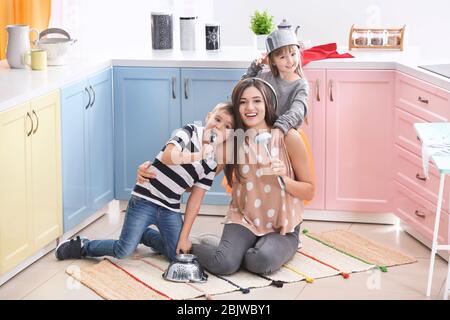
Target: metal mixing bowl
185	268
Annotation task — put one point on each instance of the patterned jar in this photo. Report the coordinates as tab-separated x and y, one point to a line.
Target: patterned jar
212	34
162	31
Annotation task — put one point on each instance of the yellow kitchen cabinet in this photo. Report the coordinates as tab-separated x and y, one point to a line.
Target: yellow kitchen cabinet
16	238
30	179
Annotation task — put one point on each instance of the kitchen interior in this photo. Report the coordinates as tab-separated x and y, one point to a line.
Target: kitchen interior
107	83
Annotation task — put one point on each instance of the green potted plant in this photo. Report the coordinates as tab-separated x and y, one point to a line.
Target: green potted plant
261	25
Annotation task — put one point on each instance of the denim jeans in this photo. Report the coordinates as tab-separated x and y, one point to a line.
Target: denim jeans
139	216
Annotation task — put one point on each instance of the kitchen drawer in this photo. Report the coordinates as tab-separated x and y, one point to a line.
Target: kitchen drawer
419	213
409	173
422	99
405	135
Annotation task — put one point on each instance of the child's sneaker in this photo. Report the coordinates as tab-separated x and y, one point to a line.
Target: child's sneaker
70	249
300	244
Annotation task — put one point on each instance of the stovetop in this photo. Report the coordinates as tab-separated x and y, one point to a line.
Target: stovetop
441	69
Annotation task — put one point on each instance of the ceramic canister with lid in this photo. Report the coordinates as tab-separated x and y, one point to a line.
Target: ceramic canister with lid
187	32
212	34
162	30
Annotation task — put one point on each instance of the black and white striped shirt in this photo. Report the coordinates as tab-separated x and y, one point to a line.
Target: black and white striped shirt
172	180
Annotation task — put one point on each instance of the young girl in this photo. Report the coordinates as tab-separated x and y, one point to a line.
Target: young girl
184	162
285	76
263	221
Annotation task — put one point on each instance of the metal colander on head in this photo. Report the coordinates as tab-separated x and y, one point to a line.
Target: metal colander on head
185	268
280	38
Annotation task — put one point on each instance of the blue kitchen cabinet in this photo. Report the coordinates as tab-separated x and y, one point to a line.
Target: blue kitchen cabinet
147	111
87	147
202	89
150	103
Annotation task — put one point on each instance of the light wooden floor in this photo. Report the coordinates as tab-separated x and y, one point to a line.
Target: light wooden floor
46	279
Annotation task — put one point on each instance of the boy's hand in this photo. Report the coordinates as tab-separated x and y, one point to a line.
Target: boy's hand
184	246
207	151
145	172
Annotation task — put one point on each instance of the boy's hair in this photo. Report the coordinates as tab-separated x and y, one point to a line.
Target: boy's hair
226	107
280	51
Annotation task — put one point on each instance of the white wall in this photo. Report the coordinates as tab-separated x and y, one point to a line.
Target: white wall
428	22
102	26
124	25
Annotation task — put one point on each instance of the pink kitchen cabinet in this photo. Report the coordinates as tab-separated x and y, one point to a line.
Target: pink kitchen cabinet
350	116
418	101
315	131
359	134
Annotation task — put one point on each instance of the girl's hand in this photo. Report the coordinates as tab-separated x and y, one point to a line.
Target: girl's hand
145	172
263	60
277	167
184	246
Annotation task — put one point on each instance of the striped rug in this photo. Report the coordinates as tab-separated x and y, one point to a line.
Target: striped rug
326	254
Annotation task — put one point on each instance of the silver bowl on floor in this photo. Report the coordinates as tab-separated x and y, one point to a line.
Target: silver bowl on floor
185	268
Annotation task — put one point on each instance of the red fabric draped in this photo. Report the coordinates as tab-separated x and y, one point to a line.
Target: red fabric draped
324	51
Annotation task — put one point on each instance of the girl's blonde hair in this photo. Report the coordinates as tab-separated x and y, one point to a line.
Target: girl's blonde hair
280	51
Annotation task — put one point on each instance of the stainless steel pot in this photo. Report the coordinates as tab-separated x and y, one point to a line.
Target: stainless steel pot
185	268
57	48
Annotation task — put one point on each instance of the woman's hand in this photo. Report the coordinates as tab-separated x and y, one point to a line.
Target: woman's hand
184	246
277	168
145	172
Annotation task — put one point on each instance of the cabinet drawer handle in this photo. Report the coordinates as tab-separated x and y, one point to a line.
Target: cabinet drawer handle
186	81
418	176
422	100
420	214
318	90
93	93
32	125
331	91
37	122
89	94
174	79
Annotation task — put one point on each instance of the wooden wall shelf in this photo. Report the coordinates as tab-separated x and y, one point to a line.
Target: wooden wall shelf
376	38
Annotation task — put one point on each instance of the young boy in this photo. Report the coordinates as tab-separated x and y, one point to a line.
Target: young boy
185	162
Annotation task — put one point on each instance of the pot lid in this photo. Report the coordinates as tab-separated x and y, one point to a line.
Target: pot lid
54	40
284	25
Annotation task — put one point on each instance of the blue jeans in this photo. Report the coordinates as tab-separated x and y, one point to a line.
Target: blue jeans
139	216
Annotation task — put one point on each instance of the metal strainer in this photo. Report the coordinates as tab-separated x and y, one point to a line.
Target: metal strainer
185	268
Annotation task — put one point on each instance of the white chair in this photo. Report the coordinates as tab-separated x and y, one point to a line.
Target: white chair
429	132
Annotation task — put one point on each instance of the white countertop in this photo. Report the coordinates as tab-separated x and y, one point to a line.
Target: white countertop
21	85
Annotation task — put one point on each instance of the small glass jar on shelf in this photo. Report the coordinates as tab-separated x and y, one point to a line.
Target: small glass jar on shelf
377	37
394	38
360	38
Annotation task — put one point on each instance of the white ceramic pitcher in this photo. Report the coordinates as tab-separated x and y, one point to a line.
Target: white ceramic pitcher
18	44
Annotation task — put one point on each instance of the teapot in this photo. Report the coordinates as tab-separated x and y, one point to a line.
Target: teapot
18	44
286	25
